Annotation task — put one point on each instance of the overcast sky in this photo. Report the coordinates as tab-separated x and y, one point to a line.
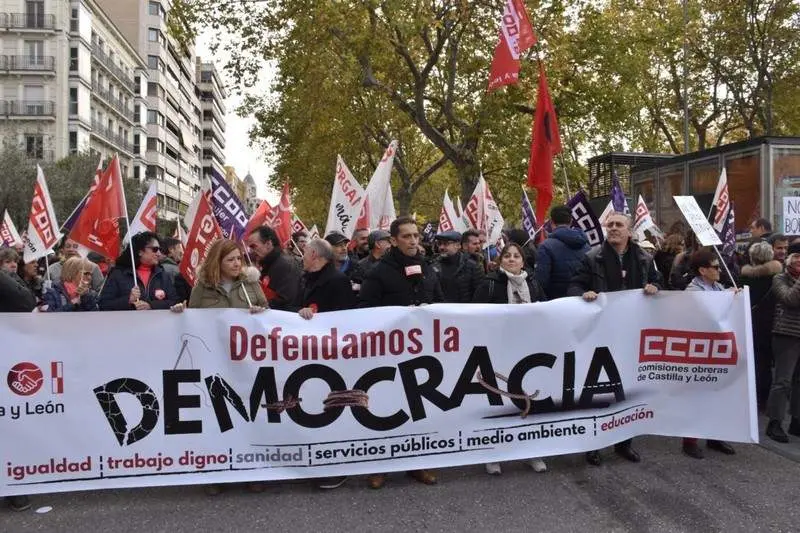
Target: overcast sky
238	151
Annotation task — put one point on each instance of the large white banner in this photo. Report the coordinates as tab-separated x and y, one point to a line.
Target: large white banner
347	199
128	399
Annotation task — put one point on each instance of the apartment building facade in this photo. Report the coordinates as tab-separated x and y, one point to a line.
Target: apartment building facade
173	145
33	53
212	104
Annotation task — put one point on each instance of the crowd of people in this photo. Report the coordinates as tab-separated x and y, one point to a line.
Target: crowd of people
396	268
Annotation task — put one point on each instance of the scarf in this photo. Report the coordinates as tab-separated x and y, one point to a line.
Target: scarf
70	289
518	292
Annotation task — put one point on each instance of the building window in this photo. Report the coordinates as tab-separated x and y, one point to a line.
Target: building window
137	113
74	25
154	8
152	117
137	173
73	59
137	141
34	146
73	100
152	35
137	82
73	142
152	62
35	52
34	13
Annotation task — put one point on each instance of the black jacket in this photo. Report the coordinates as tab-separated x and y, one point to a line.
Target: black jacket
601	271
494	289
387	283
362	268
459	277
762	297
117	290
327	290
15	297
558	257
280	279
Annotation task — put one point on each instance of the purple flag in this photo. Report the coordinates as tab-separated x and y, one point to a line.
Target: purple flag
583	218
618	196
228	208
528	216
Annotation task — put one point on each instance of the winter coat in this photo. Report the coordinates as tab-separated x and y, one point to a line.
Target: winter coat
494	289
664	261
159	291
97	276
600	271
327	290
362	268
280	280
558	258
182	287
15	297
57	300
697	285
459	277
205	296
762	297
787	308
387	283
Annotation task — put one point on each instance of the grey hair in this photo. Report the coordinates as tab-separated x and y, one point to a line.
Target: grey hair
761	252
322	248
627	218
789	259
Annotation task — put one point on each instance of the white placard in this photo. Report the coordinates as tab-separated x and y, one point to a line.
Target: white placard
698	221
791	215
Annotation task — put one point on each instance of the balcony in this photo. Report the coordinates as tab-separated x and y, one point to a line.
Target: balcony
28	63
109	136
113	102
28	109
105	61
28	21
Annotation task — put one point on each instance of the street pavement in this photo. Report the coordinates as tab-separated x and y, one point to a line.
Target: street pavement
755	490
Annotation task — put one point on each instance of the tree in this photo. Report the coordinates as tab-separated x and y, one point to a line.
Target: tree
68	181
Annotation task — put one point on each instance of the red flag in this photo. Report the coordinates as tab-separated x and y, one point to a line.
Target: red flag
545	145
261	217
516	36
97	227
282	223
203	231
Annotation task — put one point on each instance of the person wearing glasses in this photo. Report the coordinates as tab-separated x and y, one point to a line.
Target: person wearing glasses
69	250
706	267
72	292
618	265
152	289
510	283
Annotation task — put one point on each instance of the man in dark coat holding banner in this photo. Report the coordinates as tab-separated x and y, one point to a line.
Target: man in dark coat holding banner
560	254
402	278
618	265
280	275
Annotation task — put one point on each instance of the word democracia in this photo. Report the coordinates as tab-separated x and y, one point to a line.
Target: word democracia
412	389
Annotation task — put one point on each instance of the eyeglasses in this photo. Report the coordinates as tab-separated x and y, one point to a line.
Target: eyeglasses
715	267
154	249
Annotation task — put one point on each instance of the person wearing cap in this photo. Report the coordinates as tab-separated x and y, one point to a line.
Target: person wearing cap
378	242
458	273
343	261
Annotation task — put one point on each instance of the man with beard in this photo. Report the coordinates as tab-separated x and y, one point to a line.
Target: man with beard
458	273
618	265
361	240
280	275
379	244
401	278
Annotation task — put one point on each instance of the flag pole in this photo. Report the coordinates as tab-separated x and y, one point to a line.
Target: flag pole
127	221
564	168
724	264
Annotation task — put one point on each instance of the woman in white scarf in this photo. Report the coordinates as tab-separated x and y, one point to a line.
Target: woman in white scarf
510	283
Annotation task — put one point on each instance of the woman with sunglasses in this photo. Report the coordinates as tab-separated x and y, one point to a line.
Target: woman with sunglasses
510	283
73	291
706	266
154	288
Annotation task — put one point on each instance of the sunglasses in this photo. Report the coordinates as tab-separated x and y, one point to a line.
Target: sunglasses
86	273
155	249
715	267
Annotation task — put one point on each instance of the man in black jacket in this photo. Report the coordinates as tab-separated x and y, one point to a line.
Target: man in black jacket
401	278
560	254
458	273
379	244
15	297
618	265
280	275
